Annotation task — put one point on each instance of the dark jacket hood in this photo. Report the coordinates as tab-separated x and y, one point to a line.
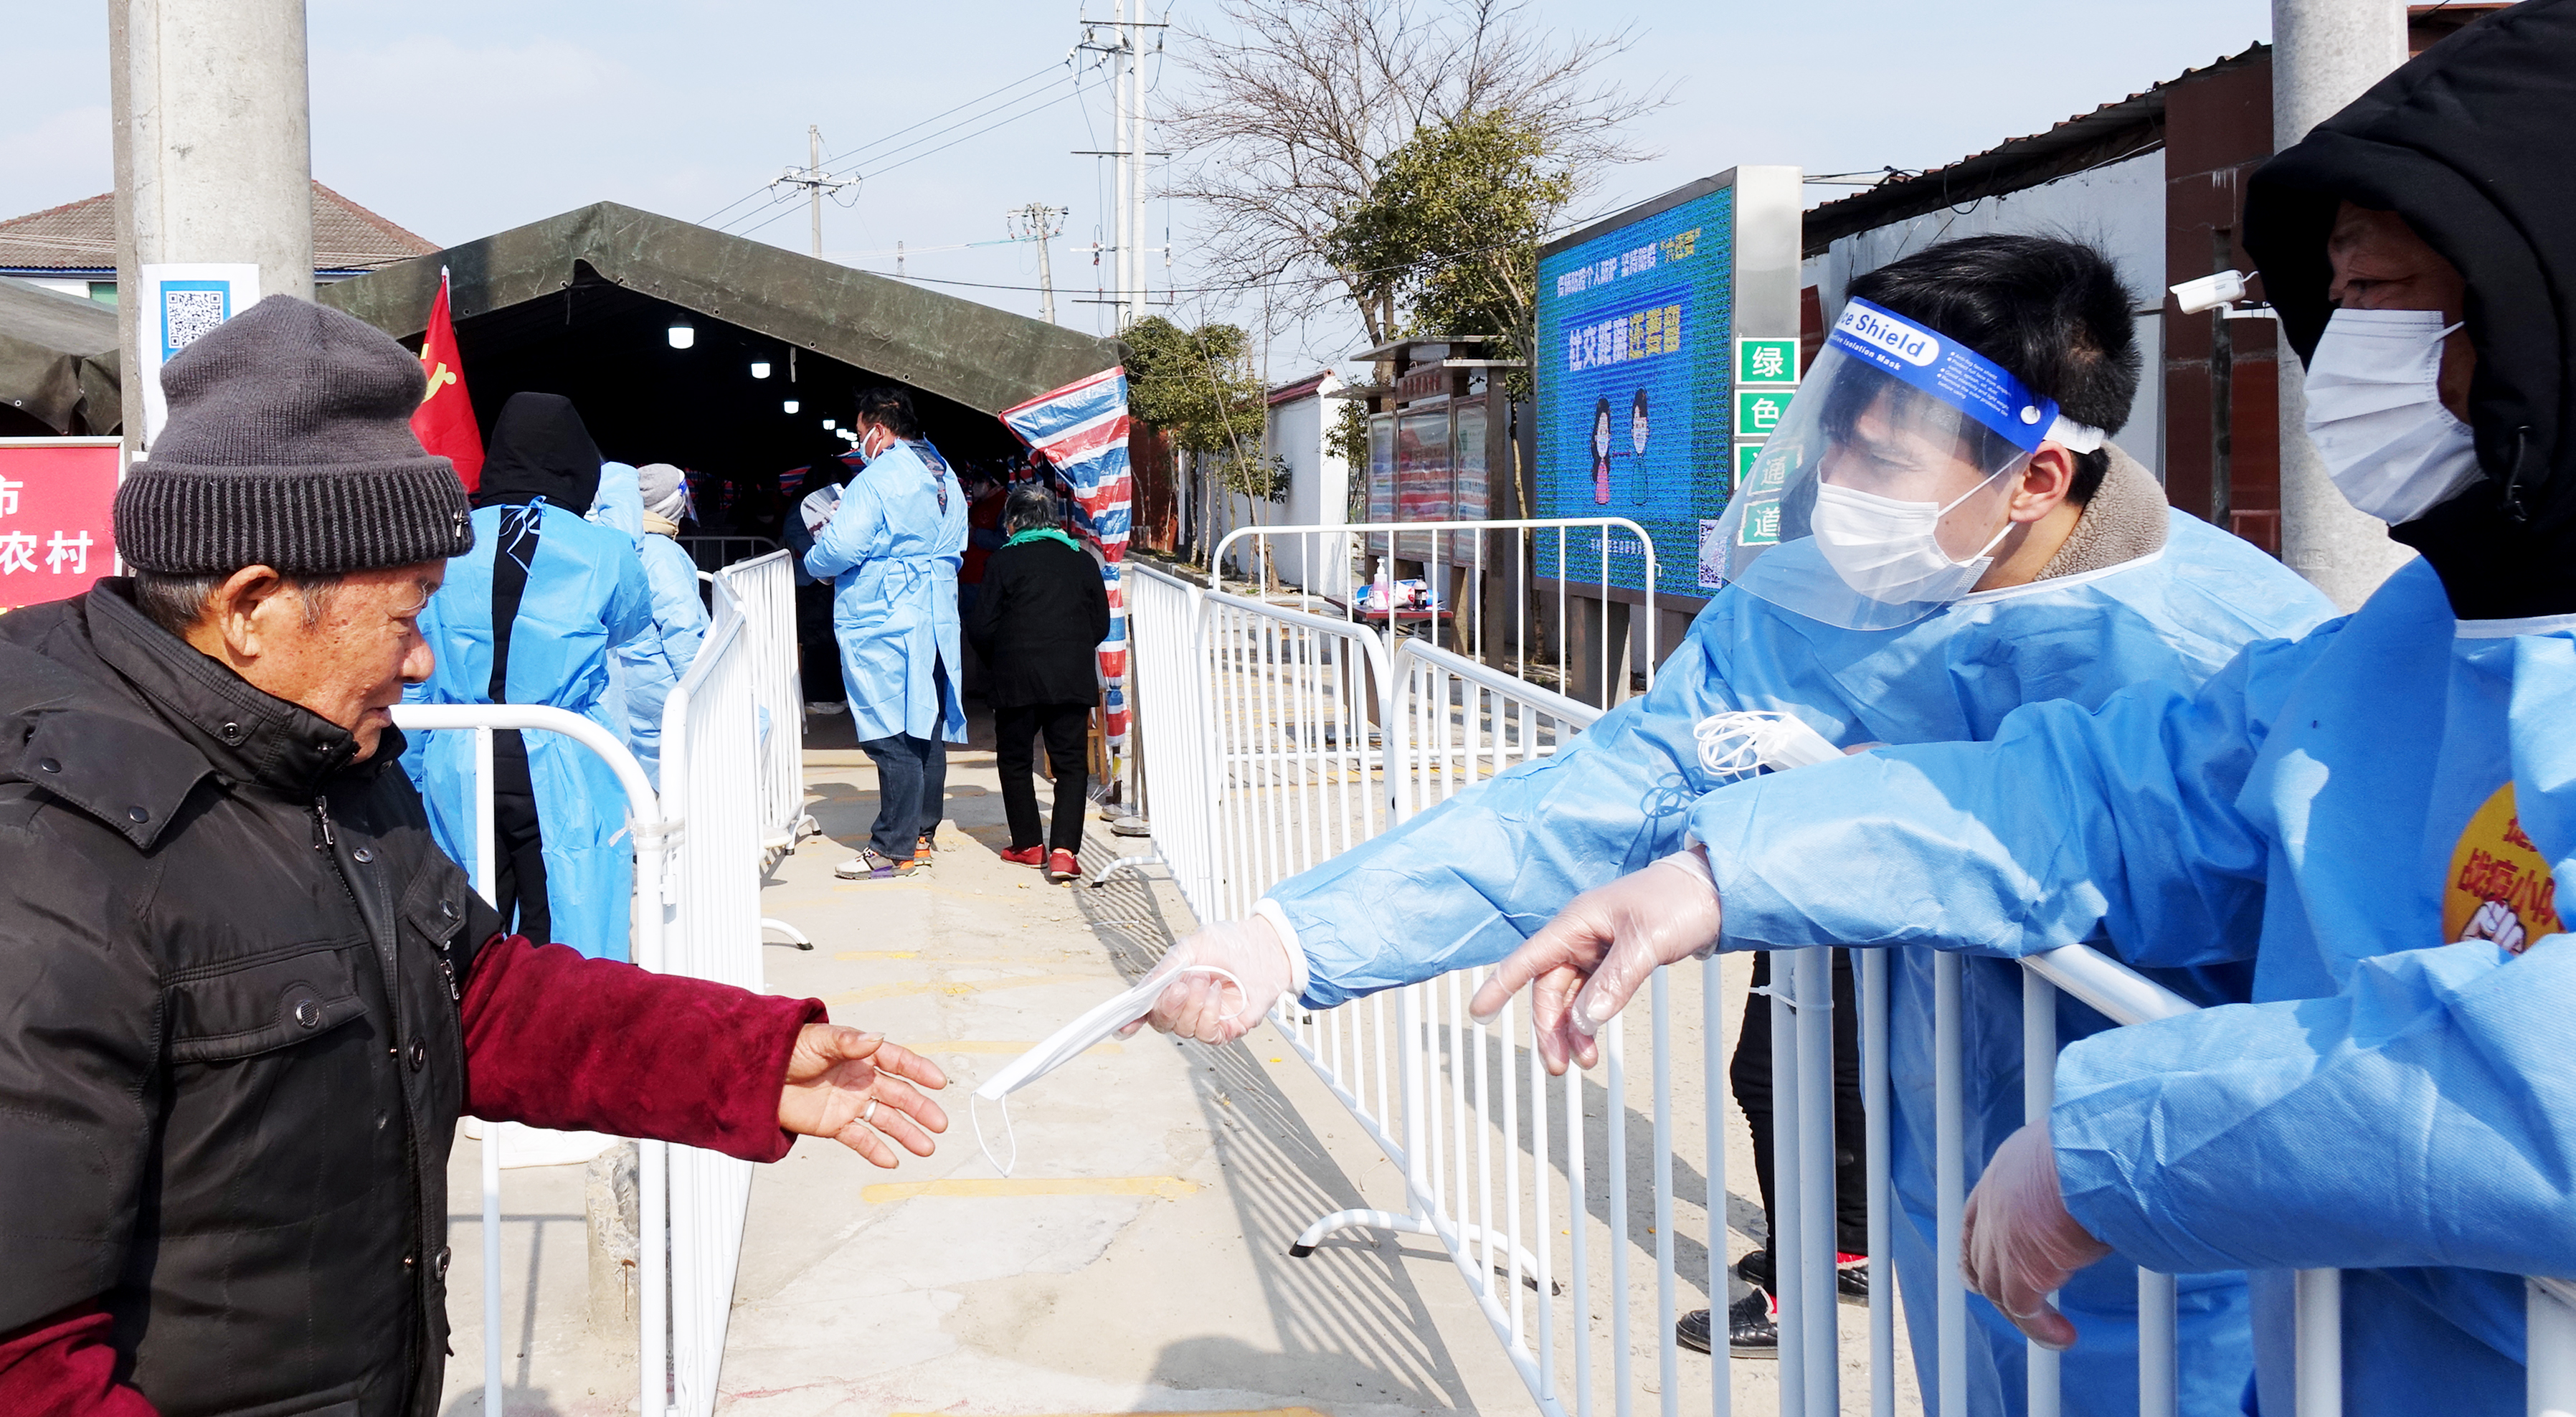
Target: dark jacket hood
540	448
2470	143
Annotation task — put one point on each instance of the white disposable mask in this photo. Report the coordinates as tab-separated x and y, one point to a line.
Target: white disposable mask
1890	550
1747	740
1065	1045
2375	413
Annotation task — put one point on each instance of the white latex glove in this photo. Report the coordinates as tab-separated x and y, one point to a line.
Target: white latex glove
2020	1245
1598	952
1207	1007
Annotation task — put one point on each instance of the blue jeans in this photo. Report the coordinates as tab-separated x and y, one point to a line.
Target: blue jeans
912	785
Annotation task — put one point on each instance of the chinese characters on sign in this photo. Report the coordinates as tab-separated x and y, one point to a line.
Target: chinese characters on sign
1766	377
57	496
1635	335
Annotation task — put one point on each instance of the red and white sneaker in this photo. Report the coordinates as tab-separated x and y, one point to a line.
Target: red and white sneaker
1026	856
1061	867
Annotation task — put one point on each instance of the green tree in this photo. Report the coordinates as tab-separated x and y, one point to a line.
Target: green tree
1459	211
1199	386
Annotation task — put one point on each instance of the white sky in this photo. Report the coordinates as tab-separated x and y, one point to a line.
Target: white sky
470	116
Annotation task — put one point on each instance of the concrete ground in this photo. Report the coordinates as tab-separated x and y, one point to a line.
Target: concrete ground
1136	1259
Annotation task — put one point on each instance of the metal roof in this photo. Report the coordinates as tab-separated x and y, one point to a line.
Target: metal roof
81	237
2111	133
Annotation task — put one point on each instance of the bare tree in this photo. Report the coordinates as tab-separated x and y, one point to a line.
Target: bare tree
1293	104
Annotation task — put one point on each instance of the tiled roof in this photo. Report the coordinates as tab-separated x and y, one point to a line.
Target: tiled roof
82	236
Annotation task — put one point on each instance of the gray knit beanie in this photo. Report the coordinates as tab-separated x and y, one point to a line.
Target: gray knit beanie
289	445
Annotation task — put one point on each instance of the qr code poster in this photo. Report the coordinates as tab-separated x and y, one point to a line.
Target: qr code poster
190	309
181	303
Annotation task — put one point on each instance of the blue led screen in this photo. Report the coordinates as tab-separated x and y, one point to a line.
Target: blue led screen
1634	341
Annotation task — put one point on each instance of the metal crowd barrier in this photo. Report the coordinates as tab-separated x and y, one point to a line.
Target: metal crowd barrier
764	589
1486	597
1277	738
714	553
697	870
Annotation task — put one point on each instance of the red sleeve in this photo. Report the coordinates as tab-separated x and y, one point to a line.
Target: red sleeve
65	1366
556	1040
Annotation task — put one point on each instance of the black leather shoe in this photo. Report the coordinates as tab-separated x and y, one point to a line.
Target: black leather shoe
1851	1276
1751	1332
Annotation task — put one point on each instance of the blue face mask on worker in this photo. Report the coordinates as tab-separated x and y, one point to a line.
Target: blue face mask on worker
1886	488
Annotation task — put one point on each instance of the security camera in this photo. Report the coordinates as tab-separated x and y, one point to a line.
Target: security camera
2210	292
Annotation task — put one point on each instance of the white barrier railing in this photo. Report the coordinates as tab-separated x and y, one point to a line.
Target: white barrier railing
764	589
1485	597
697	868
711	782
1263	772
652	838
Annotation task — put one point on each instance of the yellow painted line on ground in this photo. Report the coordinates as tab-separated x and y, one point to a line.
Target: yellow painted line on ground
878	954
970	986
999	1045
1170	1188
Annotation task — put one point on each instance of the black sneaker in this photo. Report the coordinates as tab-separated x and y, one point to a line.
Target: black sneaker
1851	1275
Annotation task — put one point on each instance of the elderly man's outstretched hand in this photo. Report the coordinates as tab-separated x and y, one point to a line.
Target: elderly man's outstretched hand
856	1088
2021	1245
1598	952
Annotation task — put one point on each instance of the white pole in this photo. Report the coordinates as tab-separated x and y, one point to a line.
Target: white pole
486	881
2038	1094
1124	235
2317	1343
213	150
2325	53
814	181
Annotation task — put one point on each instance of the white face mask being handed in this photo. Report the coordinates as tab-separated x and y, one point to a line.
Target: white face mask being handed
2375	413
1890	550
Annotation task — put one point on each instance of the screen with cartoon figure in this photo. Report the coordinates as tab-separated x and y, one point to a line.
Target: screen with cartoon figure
1632	380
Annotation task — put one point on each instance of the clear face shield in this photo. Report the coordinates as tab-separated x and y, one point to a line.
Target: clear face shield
1886	488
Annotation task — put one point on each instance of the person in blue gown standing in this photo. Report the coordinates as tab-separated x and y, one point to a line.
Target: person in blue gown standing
891	550
648	504
530	616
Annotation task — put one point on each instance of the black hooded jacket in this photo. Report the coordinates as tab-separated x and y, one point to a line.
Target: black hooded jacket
540	448
2473	144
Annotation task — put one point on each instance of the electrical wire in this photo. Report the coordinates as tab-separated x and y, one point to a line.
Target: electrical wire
952	142
970	103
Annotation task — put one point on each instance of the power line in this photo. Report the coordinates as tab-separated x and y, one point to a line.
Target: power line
943	147
970	103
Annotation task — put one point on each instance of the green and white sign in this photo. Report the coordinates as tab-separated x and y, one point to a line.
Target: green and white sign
1766	361
1758	411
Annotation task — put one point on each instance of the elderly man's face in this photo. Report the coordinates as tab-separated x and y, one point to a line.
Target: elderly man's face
2381	264
345	655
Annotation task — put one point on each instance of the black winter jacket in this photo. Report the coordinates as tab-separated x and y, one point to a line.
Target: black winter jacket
229	1054
1038	623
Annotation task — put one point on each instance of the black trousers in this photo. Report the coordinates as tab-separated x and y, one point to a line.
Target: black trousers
519	873
1750	1072
1015	732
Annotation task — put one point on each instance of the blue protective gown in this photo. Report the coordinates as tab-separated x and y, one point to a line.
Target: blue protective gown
892	550
586	594
643	671
1465	883
2336	808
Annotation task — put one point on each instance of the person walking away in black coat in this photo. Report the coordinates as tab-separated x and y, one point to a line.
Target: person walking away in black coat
1038	625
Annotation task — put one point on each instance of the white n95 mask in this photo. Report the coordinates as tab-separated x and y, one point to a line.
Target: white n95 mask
2375	413
1890	550
1068	1043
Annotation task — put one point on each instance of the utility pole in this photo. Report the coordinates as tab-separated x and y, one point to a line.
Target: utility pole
1127	126
213	152
2325	54
814	180
1039	222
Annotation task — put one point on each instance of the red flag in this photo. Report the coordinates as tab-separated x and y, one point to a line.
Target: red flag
444	422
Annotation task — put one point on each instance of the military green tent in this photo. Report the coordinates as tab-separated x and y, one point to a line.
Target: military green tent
57	364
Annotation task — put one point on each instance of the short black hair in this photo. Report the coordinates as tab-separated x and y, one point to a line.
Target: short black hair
2048	308
889	408
1637	405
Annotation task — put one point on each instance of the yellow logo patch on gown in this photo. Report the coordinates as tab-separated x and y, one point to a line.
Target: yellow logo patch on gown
2499	887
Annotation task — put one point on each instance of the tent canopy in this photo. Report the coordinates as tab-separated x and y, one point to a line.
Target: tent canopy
581	305
57	364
